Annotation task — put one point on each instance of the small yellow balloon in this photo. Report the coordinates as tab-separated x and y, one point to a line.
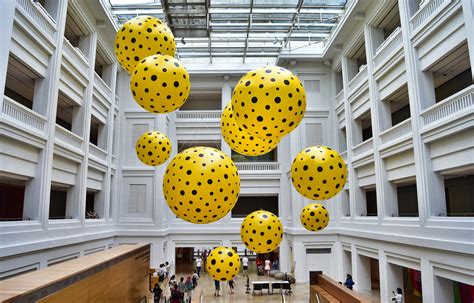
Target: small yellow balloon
240	140
201	184
160	84
223	263
314	217
261	231
153	148
318	172
269	102
141	37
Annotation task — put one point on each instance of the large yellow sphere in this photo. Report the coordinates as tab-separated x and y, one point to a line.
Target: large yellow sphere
201	184
141	37
223	263
153	148
261	231
160	84
314	217
269	102
240	140
318	172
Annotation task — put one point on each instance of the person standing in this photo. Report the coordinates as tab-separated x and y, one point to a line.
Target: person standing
398	298
157	293
245	265
217	286
199	265
181	287
349	282
195	278
231	286
188	289
267	266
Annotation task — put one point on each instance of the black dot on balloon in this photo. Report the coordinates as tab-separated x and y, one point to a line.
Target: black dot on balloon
182	193
254	99
320	169
133	40
213	261
209	181
247	83
148	30
269	242
198	210
194	192
153	78
286	82
259	118
189	172
305	167
176	83
277	100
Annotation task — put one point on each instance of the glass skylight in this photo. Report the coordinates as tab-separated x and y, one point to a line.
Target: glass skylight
238	28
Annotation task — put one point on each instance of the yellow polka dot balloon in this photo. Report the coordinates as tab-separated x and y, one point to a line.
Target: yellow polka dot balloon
318	172
153	148
269	102
160	84
261	231
223	263
141	37
314	217
240	140
201	184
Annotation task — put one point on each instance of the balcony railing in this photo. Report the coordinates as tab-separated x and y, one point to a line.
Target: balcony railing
198	114
258	166
23	114
340	97
76	56
388	46
395	132
358	79
39	15
425	11
67	137
363	148
97	152
102	87
449	107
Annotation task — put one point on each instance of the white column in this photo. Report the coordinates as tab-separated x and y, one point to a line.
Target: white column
285	262
427	282
361	272
87	106
225	99
299	255
468	13
443	289
355	194
429	185
37	192
7	14
391	277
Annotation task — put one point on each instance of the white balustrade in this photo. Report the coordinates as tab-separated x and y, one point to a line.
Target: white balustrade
102	87
198	114
258	166
424	12
97	152
363	148
23	114
344	155
461	101
340	98
76	56
393	42
69	138
398	131
358	79
39	15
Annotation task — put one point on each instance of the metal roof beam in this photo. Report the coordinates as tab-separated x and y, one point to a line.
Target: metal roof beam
295	17
249	24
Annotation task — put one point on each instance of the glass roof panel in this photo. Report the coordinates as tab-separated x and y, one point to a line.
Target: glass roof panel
245	28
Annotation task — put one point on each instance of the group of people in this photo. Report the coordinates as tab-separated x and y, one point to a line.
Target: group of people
397	296
179	291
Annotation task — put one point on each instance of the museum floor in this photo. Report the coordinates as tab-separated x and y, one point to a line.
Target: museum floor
300	291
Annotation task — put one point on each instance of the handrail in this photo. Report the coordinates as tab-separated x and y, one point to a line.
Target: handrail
449	106
201	296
